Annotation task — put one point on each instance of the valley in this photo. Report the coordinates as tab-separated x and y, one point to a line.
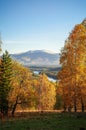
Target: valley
40	61
50	71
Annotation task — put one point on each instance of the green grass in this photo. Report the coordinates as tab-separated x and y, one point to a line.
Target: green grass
46	121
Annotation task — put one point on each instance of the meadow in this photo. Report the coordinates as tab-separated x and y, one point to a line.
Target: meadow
45	121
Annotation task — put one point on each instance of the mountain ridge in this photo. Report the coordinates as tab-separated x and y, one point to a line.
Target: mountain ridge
37	58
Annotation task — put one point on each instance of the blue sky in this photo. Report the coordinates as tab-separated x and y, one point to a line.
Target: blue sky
38	24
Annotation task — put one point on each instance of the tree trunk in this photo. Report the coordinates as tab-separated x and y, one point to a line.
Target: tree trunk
75	106
65	107
82	104
15	105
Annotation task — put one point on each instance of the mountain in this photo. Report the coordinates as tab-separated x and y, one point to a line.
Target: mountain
37	58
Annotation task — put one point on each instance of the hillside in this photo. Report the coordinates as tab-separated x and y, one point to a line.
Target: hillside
37	58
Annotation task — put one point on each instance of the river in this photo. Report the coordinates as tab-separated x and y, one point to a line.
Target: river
50	79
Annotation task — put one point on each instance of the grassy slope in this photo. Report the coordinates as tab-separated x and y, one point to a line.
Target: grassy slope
46	121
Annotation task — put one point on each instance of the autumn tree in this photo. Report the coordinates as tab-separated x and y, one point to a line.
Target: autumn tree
73	64
21	92
46	93
59	100
82	82
5	79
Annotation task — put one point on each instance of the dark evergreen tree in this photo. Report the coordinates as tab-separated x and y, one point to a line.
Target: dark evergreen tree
5	79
